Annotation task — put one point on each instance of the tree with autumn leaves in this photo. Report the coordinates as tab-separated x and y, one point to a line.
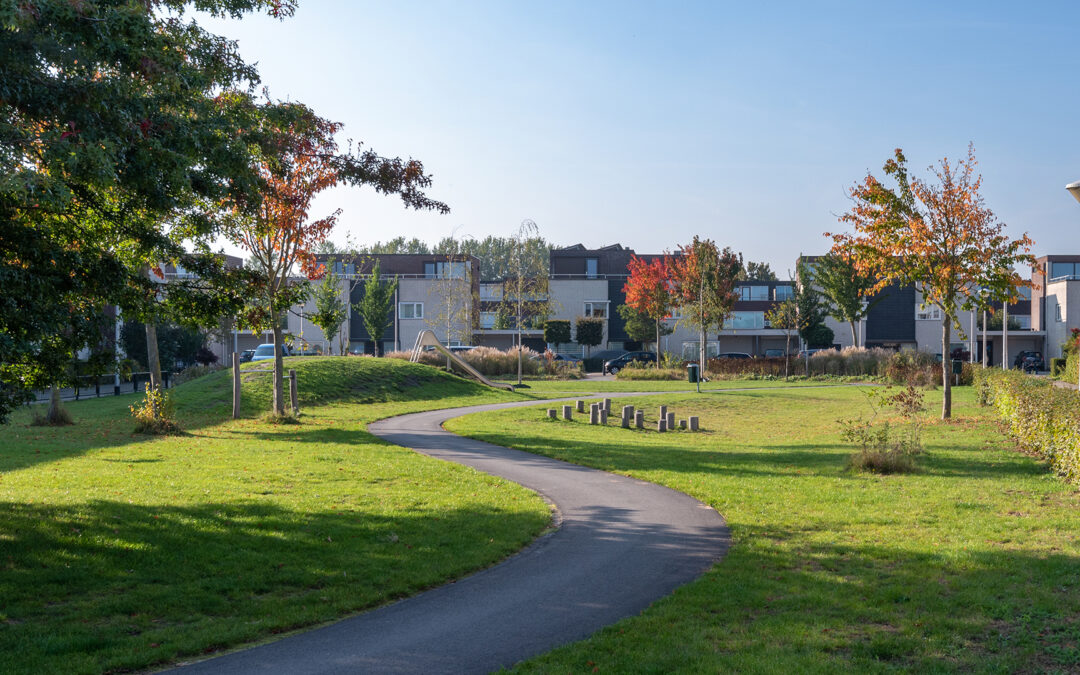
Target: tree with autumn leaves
703	284
937	235
649	292
279	233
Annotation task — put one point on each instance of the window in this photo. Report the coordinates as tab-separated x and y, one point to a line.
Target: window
745	320
784	292
931	313
596	309
487	319
691	350
340	269
752	292
491	291
446	270
410	310
591	267
1059	316
1060	270
1023	320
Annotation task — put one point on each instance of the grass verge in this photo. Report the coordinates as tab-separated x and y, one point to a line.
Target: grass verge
122	551
969	564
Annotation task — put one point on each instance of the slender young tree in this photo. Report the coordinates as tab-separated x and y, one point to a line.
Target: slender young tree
649	292
845	289
330	312
526	287
280	235
785	316
704	285
937	235
377	305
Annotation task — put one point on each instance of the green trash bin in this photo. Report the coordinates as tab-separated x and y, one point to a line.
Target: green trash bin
692	373
957	367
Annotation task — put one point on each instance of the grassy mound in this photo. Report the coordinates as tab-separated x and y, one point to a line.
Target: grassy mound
324	379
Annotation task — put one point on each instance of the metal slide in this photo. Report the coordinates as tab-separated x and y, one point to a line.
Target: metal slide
426	338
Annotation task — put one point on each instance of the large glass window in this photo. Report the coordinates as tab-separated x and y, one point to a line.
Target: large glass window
745	320
784	292
487	319
1059	270
410	310
446	270
931	313
752	292
591	265
597	310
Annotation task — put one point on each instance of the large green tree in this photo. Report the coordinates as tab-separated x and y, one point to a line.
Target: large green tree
123	127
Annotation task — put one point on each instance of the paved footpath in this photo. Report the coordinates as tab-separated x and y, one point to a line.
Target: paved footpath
621	544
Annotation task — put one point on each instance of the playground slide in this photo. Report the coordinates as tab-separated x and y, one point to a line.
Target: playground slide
427	339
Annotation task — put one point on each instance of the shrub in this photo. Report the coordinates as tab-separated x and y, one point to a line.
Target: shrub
1044	419
156	413
491	362
883	447
1057	367
637	371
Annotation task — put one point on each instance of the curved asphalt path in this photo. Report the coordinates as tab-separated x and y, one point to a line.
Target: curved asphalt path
621	544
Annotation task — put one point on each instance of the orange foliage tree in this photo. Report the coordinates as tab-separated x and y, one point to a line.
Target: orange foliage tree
936	235
649	291
278	231
704	280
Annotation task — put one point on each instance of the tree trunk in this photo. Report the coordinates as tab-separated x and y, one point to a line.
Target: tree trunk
279	393
984	340
153	357
787	355
658	343
701	352
55	414
854	334
946	369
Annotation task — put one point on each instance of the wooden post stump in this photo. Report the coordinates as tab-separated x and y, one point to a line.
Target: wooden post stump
566	414
603	415
594	413
235	385
661	425
581	406
682	424
551	414
671	421
693	423
627	414
639	419
294	398
663	412
607	405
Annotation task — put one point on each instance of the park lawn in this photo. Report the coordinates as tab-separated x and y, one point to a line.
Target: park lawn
123	552
971	564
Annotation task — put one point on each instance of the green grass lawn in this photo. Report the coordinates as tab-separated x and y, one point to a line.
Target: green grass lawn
121	551
972	564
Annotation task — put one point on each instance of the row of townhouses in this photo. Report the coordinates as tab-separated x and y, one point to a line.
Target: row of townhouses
442	294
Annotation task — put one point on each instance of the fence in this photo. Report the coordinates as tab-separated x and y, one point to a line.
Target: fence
96	386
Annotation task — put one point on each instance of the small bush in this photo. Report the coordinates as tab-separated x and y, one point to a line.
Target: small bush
60	418
883	447
1044	419
1057	367
274	418
637	372
156	413
884	462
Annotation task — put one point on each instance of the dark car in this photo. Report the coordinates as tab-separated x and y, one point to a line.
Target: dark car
246	355
1029	361
733	355
618	363
566	357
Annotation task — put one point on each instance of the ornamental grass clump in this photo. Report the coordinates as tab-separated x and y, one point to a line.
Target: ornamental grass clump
885	447
1044	419
155	414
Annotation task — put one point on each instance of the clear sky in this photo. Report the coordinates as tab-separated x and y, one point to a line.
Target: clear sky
647	123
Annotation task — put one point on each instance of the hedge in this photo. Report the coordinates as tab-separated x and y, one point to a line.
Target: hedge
1044	419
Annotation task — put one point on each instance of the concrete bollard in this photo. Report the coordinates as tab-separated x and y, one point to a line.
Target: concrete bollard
552	414
639	420
581	406
661	425
682	424
693	423
603	415
671	421
627	414
594	413
607	405
566	414
663	412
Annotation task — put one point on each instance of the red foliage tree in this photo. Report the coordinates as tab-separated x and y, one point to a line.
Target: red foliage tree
704	280
649	291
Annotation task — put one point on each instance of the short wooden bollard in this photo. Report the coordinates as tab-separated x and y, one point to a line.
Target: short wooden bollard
566	414
627	414
693	423
603	415
293	394
552	414
607	405
235	385
594	413
581	406
663	412
682	424
661	425
671	421
639	419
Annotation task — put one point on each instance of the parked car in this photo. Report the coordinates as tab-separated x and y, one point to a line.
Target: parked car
1029	361
246	355
266	351
733	355
618	363
774	353
810	352
566	357
461	348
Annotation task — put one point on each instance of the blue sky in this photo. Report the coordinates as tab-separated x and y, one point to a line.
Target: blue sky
648	123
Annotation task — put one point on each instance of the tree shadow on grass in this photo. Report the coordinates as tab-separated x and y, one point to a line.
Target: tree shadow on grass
109	586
